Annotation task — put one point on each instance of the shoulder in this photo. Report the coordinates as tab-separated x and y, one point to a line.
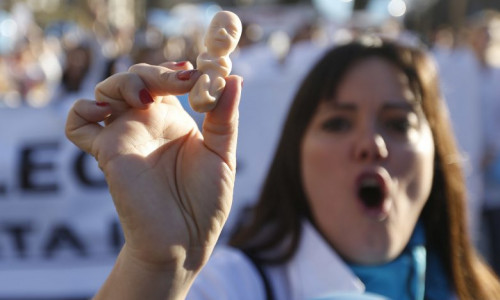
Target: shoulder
229	258
229	274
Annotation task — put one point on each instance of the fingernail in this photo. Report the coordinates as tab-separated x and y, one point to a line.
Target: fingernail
186	74
242	81
180	64
145	97
103	104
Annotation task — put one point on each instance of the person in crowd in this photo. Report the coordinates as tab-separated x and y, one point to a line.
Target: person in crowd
459	71
84	65
78	62
365	194
480	41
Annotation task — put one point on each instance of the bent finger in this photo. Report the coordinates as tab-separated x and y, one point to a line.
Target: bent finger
162	81
143	84
122	91
182	65
82	126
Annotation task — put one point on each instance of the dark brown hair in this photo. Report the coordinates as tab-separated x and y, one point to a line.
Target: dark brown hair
277	216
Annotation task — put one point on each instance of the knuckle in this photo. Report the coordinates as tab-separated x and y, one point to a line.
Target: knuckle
98	89
166	76
68	132
69	127
135	68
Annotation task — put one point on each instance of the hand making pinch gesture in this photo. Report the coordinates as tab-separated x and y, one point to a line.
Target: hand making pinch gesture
171	184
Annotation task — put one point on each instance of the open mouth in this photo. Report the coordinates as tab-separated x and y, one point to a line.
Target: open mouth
371	192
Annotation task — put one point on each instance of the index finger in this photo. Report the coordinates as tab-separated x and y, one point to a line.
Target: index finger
143	83
161	80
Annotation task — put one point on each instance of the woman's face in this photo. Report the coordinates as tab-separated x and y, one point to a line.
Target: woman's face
367	163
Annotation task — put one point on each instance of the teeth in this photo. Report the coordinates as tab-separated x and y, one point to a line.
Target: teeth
369	182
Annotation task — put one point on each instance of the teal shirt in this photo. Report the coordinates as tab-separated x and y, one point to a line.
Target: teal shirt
414	275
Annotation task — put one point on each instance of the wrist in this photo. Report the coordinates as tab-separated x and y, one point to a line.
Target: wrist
134	278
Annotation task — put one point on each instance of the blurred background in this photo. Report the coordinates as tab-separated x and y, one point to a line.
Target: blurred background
44	44
59	233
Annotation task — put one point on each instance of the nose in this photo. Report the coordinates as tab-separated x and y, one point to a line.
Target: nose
370	146
222	31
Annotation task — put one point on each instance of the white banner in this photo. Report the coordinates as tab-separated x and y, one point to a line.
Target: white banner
59	232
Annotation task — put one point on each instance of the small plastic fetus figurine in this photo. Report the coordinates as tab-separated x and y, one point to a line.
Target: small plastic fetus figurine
221	39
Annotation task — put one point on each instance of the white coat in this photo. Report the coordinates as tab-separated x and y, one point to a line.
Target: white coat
229	274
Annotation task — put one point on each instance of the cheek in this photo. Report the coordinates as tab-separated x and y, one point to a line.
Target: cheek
414	168
323	174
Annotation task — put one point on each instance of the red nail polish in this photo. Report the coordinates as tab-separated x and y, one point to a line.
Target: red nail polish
185	75
102	104
145	97
180	64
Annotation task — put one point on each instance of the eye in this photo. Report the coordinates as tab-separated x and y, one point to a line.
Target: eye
399	125
337	124
233	31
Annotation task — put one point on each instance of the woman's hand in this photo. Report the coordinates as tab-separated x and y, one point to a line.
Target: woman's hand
171	184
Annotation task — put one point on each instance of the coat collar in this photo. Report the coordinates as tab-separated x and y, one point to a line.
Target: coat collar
317	270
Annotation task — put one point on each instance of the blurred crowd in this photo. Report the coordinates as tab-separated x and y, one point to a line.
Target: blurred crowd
41	65
57	63
44	65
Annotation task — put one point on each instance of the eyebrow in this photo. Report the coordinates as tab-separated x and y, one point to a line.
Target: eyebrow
400	106
343	106
387	106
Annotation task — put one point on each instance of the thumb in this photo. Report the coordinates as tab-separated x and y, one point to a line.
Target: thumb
220	127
